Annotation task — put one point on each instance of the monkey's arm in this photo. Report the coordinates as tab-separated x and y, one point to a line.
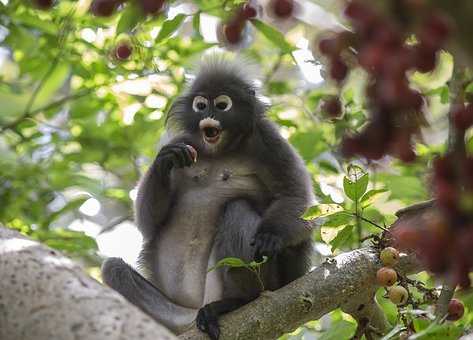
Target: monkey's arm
155	192
285	175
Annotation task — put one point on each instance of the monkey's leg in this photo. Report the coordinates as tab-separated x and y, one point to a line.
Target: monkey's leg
236	228
143	294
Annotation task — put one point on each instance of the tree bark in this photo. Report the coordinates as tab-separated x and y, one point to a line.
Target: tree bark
347	281
45	296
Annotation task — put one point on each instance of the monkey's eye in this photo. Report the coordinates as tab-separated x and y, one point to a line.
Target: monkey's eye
200	104
223	102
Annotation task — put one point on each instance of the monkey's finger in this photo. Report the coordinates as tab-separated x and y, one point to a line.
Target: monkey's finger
179	157
188	155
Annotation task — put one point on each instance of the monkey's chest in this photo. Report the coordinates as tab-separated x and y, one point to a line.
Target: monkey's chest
184	247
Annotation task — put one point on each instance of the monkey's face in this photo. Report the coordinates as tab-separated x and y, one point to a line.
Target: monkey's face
218	112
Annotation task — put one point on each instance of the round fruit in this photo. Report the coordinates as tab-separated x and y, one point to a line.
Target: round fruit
103	8
462	116
193	152
151	6
332	107
233	33
338	69
455	310
249	11
398	295
386	277
44	4
123	51
389	256
282	8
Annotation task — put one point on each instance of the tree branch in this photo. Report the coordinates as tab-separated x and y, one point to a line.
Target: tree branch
45	296
347	281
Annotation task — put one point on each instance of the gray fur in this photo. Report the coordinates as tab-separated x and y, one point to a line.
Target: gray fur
242	198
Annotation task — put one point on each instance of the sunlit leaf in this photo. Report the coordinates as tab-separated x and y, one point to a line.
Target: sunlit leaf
169	27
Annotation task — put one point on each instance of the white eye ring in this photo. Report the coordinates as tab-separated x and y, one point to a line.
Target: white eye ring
200	104
222	100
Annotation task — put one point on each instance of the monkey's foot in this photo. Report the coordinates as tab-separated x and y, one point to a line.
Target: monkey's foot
207	321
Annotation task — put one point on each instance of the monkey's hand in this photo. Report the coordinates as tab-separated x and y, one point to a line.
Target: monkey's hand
177	155
267	244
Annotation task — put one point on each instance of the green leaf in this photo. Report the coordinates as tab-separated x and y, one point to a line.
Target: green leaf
369	197
436	331
169	27
339	330
320	210
469	88
273	35
355	189
229	262
196	25
46	26
130	17
342	237
394	332
337	219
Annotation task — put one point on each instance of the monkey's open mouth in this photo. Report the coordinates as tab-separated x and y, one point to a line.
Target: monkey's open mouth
210	130
211	134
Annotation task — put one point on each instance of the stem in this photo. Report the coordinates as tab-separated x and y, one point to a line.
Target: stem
368	221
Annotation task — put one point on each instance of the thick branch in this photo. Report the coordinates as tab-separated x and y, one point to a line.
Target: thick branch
347	281
45	296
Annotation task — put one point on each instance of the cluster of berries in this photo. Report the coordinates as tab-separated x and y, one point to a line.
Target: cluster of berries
383	51
387	277
443	239
234	28
105	8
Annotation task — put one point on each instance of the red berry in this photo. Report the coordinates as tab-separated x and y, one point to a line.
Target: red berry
386	277
249	11
333	107
443	168
193	152
455	310
406	237
104	8
151	6
447	195
282	8
435	31
123	51
338	69
462	117
233	32
425	58
44	4
333	46
372	58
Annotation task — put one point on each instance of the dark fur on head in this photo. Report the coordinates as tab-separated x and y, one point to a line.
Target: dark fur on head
219	75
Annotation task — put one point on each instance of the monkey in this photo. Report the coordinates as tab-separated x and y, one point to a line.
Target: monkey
225	183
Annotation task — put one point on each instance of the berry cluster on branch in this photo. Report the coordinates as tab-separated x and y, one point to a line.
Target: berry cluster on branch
381	46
